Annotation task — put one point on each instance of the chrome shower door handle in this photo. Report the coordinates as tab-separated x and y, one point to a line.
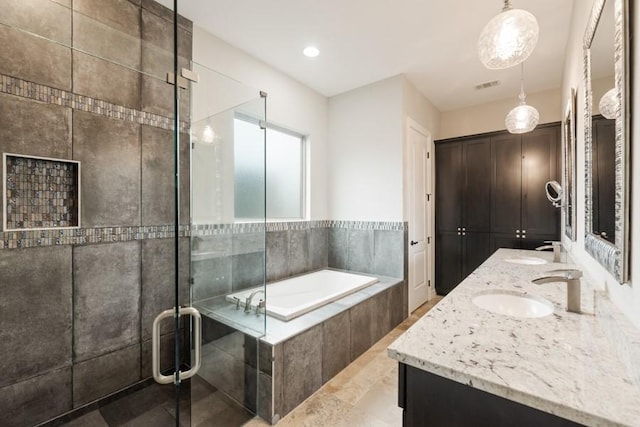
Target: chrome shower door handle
155	345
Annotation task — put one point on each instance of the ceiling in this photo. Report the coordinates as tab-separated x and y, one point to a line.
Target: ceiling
432	42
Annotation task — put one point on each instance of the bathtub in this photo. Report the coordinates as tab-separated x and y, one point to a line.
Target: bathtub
290	298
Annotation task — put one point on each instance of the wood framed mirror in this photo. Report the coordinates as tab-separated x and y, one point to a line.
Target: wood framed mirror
569	167
607	137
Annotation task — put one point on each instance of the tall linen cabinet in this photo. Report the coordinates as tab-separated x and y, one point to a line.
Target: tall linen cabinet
490	194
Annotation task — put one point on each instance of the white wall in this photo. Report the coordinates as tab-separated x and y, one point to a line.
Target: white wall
490	117
290	104
626	297
366	153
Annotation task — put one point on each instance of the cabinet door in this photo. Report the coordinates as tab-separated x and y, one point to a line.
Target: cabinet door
506	183
448	261
539	149
477	248
449	180
533	241
504	240
476	208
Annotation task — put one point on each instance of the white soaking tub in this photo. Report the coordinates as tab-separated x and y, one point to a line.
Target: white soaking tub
290	298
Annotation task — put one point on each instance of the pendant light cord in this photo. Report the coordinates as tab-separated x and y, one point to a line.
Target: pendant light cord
522	95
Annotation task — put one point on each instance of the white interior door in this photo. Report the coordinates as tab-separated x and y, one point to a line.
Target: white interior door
420	214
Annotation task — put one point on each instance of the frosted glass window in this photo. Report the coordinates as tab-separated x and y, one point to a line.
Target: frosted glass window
248	155
284	172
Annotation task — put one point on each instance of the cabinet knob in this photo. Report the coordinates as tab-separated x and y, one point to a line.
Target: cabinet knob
458	228
464	229
463	233
524	231
517	231
517	236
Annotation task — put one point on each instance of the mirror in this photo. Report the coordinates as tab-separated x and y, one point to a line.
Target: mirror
554	193
569	166
607	112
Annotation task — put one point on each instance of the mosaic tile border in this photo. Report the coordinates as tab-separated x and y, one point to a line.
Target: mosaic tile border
49	95
85	236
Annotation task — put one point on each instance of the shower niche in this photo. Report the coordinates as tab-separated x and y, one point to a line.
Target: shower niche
40	193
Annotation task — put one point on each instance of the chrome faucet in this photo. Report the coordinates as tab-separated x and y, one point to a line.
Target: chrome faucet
557	249
247	302
572	279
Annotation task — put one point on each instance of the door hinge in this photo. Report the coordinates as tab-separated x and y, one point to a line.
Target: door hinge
428	240
429	283
192	281
428	197
428	154
182	82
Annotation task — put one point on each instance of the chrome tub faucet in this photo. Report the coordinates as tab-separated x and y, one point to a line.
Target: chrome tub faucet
556	246
572	278
247	303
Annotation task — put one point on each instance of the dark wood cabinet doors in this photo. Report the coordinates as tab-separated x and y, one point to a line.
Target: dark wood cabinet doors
490	193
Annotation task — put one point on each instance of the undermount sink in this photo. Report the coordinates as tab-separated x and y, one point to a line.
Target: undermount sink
527	260
515	304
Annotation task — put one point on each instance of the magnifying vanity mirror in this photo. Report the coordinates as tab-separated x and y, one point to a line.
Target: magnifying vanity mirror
607	136
554	193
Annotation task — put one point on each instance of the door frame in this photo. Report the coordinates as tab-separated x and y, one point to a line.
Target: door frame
410	125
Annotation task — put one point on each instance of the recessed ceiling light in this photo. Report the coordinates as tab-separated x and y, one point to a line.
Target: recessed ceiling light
311	51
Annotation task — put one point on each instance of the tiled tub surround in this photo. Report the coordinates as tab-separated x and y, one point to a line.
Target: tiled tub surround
563	364
297	357
76	84
229	257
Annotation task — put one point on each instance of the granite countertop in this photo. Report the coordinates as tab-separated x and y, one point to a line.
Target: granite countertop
562	363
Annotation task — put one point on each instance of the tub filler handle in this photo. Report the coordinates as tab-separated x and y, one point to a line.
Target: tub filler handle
155	346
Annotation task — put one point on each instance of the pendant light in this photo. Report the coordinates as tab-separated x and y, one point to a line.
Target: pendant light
523	118
609	105
508	39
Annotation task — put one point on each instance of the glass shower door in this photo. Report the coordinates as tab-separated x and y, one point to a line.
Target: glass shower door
228	241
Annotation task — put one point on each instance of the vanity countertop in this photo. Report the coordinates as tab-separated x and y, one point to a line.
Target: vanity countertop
562	363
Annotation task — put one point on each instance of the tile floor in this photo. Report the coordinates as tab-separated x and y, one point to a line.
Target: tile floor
364	394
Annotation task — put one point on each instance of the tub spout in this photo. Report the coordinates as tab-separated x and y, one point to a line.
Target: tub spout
247	303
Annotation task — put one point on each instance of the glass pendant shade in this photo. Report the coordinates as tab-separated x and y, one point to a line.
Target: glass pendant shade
609	106
522	119
508	39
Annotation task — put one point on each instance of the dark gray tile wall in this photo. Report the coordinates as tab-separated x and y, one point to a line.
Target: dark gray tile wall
303	363
369	251
34	59
97	377
35	337
302	367
37	399
158	281
109	152
336	355
107	298
91	305
54	22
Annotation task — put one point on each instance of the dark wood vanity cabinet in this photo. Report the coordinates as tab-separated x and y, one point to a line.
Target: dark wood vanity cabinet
429	400
463	220
490	194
